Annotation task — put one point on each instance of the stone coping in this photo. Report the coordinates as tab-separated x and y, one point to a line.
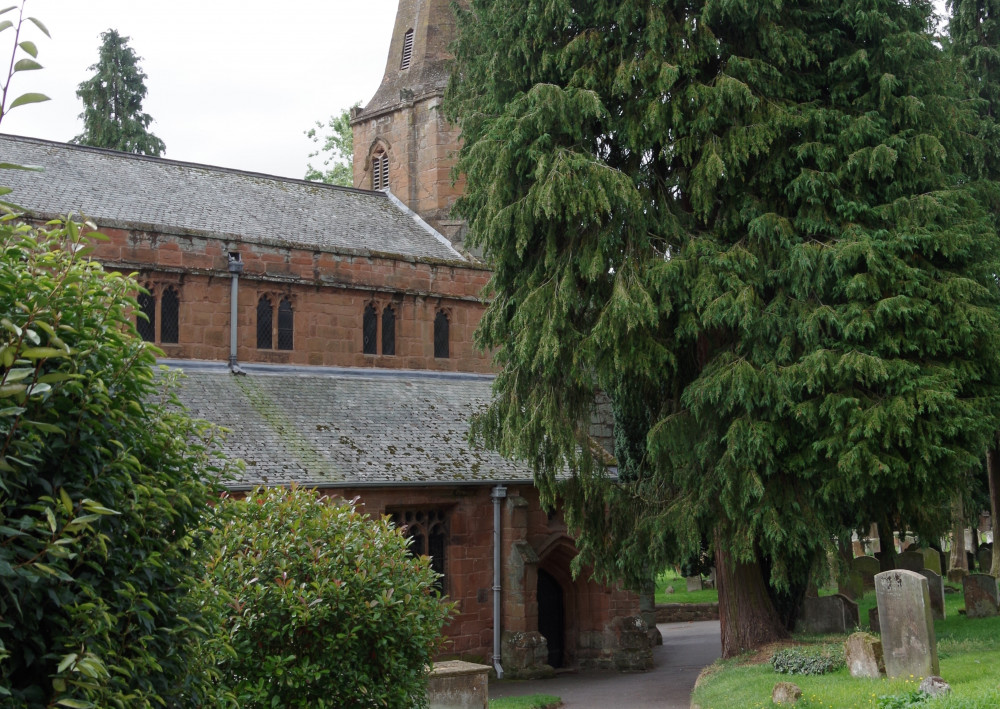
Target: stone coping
456	668
686	612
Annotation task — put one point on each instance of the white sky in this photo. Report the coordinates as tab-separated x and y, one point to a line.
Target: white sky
233	83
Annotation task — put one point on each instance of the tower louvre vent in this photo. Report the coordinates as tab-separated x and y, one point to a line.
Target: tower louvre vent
407	50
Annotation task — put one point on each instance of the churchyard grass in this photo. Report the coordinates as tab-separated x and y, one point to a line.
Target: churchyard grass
968	650
531	701
681	595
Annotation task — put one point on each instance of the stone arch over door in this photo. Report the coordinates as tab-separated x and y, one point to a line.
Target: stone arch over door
555	556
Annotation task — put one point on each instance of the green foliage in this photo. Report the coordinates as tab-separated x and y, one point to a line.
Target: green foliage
104	492
337	150
761	220
112	101
913	698
808	660
326	606
531	701
23	57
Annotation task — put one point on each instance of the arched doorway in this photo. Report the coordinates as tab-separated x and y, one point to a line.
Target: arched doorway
551	617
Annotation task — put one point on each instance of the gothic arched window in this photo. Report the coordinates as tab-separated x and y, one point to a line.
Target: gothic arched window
389	331
146	325
265	322
441	335
428	533
169	316
285	324
369	330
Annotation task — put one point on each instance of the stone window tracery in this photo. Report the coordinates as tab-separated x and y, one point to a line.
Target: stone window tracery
428	533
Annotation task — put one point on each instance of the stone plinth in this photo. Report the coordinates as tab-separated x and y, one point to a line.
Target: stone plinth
907	627
982	597
458	685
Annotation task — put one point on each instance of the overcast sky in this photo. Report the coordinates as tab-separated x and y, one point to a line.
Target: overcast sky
233	83
230	82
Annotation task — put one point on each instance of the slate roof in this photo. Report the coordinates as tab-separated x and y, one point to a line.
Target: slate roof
121	190
335	427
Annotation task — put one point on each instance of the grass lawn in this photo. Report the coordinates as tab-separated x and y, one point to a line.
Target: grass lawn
680	594
531	701
968	650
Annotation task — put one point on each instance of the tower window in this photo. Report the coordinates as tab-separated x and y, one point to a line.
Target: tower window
285	324
369	330
389	331
380	170
169	316
146	326
265	321
407	50
441	335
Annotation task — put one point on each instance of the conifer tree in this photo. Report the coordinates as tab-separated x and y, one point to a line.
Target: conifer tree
751	224
974	29
112	101
337	150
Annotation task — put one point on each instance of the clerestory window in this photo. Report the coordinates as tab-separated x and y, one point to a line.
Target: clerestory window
146	326
389	330
169	316
285	324
369	330
265	323
441	335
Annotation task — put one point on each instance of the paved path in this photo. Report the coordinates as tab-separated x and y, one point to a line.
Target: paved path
686	649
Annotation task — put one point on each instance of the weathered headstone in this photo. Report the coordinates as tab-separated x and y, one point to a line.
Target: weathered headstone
852	585
935	587
956	575
785	693
932	560
934	686
910	560
863	654
984	559
907	627
827	614
694	583
873	620
867	566
982	596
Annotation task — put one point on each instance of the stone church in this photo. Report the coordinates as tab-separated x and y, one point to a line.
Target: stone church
330	330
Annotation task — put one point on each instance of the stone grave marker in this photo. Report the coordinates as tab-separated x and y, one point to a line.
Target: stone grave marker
984	559
873	620
935	587
827	614
907	628
910	560
863	654
867	566
852	585
932	560
982	596
694	583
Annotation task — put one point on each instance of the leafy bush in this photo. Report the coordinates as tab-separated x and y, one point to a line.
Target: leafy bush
808	660
913	698
327	608
102	495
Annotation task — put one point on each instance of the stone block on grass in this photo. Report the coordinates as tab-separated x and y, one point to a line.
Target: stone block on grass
863	654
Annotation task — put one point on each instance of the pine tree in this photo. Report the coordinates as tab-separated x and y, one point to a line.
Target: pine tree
974	29
112	99
752	224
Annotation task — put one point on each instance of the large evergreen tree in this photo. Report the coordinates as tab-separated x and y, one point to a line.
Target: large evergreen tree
112	101
752	224
974	30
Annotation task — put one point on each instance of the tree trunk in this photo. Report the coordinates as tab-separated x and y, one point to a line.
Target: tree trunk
958	561
746	615
887	546
993	473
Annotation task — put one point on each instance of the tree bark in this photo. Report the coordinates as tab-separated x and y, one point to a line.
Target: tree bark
746	615
958	560
993	473
887	546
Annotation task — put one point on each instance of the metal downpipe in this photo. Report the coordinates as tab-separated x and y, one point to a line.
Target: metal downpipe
499	493
235	268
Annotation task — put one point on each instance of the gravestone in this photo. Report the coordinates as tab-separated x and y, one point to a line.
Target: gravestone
911	561
984	558
694	583
852	586
932	560
873	620
867	566
982	596
863	654
827	614
935	587
907	627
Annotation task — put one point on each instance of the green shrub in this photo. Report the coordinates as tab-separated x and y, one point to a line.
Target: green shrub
817	660
327	606
914	698
102	494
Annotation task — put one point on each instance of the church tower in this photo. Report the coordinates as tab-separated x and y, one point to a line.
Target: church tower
401	140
